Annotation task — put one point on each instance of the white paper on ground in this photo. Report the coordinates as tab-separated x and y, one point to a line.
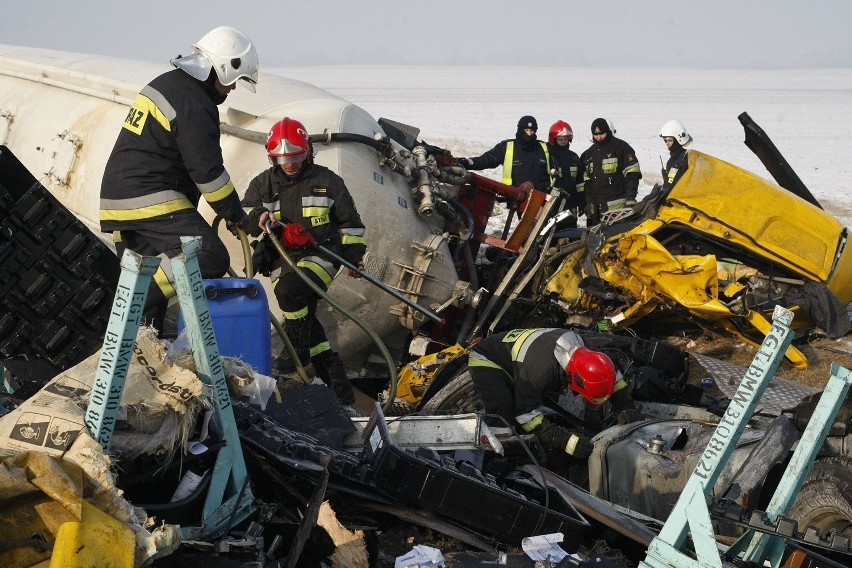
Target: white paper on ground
422	557
544	547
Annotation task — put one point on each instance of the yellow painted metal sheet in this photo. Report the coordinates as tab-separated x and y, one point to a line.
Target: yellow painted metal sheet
721	199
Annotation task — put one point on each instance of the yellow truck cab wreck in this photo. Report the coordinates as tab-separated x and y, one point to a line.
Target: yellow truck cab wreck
721	247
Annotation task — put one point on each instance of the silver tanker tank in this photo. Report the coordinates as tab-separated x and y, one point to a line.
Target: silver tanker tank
60	113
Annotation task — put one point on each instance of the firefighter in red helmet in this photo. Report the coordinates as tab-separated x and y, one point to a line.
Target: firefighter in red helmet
566	168
296	190
513	370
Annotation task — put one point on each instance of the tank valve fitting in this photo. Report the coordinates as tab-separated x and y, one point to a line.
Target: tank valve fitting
655	446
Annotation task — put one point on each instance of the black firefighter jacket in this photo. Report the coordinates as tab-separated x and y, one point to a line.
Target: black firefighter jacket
527	357
566	162
166	156
319	200
676	165
530	161
610	171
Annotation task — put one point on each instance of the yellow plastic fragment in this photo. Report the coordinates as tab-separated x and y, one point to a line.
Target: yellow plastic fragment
97	541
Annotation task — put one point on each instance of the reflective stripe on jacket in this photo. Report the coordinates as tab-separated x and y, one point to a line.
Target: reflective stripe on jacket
166	157
319	200
610	171
508	161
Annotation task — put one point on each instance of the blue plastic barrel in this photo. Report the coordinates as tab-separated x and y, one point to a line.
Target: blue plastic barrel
240	314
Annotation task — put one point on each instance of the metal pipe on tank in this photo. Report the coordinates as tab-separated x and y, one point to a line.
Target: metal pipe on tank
424	181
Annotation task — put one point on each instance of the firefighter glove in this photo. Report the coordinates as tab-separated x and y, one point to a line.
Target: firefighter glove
241	225
295	236
466	163
357	273
559	439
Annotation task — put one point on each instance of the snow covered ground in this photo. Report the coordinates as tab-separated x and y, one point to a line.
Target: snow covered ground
806	113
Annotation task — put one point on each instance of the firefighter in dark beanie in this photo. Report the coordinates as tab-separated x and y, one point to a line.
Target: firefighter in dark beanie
524	159
611	173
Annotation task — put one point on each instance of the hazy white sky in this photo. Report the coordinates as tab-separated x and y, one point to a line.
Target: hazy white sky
760	34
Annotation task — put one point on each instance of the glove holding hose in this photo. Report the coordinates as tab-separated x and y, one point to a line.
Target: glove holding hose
292	235
295	236
236	226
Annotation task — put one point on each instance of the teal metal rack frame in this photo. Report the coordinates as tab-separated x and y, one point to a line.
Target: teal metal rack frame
229	498
691	517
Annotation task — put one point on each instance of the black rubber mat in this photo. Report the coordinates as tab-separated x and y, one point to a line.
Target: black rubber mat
57	279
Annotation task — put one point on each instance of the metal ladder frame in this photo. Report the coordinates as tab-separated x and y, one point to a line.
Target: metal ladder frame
229	499
691	516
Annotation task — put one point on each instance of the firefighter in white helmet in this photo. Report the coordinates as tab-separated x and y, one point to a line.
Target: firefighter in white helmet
167	156
678	142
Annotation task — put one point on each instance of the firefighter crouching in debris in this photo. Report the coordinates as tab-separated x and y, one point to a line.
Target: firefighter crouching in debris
167	156
296	195
611	173
513	370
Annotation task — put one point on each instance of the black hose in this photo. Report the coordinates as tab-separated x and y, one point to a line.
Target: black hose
474	285
453	175
392	374
382	145
470	225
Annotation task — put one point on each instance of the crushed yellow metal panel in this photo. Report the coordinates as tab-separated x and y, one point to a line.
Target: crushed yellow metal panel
643	266
565	281
719	243
741	207
414	378
96	540
42	494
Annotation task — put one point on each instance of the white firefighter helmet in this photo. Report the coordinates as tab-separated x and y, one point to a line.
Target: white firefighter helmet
675	129
227	50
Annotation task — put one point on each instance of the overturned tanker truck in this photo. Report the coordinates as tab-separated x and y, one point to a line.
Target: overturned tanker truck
55	117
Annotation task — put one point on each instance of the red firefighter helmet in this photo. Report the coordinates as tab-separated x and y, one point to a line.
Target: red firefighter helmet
288	142
560	128
591	374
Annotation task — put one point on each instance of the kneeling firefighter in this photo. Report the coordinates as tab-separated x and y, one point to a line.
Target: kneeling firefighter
293	196
513	370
